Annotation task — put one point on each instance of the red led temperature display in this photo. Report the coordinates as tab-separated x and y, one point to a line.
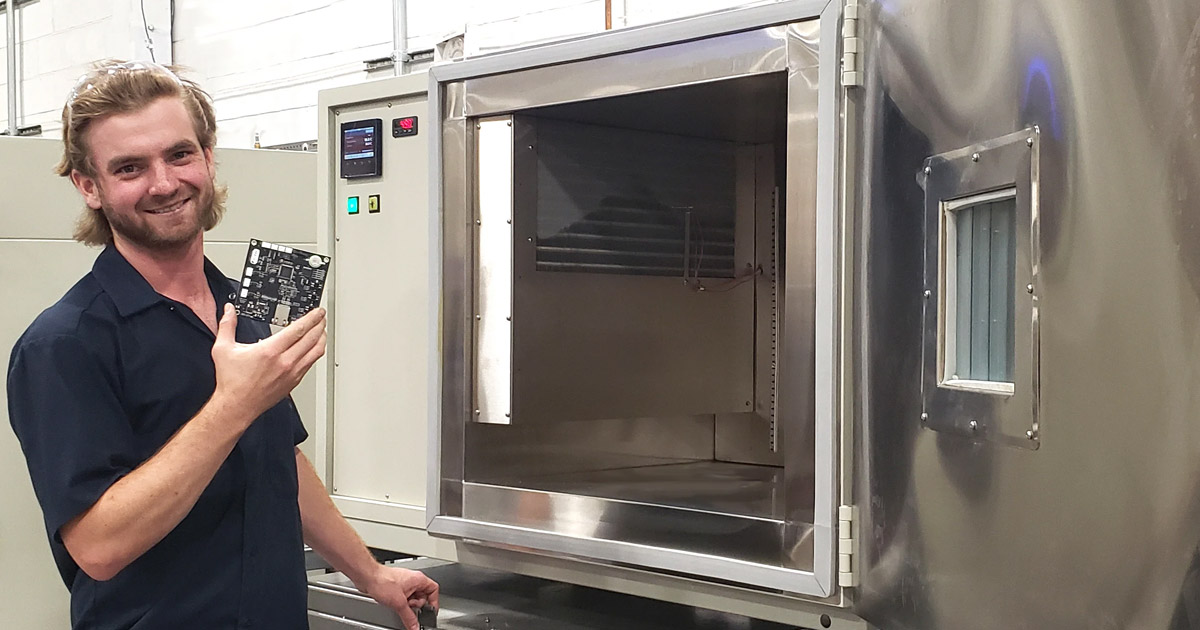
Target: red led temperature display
406	126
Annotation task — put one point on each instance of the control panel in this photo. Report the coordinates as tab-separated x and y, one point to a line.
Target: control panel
376	225
362	149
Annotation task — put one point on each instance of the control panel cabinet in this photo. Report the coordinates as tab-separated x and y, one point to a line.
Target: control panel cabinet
375	223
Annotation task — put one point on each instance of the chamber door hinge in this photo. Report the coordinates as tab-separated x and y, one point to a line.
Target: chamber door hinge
847	546
851	51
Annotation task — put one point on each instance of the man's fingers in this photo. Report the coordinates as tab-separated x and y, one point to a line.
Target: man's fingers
408	617
431	591
227	327
296	330
312	338
315	352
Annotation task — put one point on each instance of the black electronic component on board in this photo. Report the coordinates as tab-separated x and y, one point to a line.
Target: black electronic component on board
362	148
279	283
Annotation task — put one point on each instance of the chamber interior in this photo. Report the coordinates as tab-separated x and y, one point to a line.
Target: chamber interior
648	243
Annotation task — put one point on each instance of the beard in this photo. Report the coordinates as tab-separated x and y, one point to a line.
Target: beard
146	235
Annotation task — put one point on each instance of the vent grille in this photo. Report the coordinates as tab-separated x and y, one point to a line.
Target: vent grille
635	237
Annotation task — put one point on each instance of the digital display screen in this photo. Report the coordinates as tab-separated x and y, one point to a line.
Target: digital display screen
358	143
362	148
402	127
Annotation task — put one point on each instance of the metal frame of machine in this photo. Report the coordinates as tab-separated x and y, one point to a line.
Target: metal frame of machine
560	73
1066	496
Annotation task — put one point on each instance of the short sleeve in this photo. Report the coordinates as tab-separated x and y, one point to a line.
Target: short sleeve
64	406
299	433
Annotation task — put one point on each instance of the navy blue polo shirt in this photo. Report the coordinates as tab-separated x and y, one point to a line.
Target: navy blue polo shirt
96	385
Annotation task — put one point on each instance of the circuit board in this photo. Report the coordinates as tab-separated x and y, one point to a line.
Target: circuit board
280	284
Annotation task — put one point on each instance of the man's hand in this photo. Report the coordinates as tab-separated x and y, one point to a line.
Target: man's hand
140	509
403	590
256	376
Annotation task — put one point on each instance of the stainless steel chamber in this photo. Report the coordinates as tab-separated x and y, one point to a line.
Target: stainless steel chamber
632	299
888	305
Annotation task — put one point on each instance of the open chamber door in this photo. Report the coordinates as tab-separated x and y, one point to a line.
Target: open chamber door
638	289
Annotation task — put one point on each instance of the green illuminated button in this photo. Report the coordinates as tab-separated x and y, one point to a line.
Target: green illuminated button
352	205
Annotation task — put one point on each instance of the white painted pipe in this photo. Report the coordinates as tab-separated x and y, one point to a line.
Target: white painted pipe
11	49
400	37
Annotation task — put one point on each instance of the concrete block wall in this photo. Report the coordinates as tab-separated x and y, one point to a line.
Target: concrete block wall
58	38
264	61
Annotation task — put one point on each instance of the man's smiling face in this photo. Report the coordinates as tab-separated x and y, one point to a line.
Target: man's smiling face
153	180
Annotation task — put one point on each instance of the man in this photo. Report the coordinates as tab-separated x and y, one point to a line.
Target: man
158	428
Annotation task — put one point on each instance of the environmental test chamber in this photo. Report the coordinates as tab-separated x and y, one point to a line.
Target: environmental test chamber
827	313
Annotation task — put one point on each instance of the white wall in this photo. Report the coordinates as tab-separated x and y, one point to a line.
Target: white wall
263	61
57	39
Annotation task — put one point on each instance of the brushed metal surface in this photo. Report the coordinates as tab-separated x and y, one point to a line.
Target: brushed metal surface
948	405
743	54
745	438
748	109
1099	527
494	295
803	490
447	452
522	452
729	512
703	486
614	346
599	209
578	544
820	45
483	599
795	411
768	229
604	345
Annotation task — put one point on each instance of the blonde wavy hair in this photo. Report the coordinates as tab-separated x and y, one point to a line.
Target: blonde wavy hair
113	86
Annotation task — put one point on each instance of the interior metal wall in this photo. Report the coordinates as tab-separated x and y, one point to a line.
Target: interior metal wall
1097	528
271	196
592	345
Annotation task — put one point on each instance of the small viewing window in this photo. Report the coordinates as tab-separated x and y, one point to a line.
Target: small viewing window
980	338
978	263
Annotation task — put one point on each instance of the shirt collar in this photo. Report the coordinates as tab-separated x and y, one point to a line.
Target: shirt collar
131	293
